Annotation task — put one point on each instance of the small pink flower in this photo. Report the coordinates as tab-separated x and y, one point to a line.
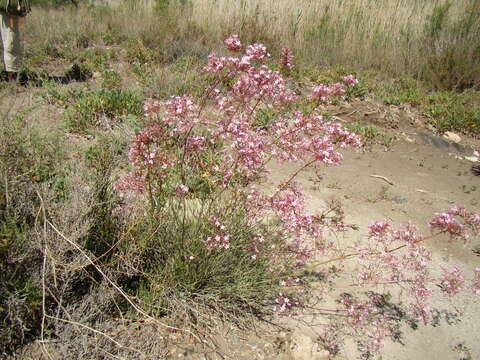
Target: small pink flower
182	189
151	108
350	80
233	43
258	51
447	223
285	303
379	228
287	58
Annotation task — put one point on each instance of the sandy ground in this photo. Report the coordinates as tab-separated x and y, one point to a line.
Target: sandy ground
427	177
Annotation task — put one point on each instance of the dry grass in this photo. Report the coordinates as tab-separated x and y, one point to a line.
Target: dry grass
397	37
388	35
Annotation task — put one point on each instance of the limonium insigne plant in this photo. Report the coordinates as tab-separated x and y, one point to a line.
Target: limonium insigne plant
209	150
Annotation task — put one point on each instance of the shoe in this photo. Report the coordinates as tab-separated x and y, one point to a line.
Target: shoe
476	170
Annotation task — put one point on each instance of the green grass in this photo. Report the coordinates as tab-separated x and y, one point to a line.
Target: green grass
179	269
453	111
445	110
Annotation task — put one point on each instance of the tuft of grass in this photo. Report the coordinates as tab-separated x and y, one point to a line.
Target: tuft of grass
180	77
177	268
111	79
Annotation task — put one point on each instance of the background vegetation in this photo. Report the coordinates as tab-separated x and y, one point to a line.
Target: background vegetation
432	40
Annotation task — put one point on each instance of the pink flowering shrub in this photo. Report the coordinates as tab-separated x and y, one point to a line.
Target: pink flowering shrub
205	158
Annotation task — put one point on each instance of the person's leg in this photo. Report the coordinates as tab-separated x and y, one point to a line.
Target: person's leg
12	45
3	20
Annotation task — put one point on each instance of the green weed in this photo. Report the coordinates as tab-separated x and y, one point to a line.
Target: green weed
453	111
265	118
78	72
370	134
401	91
100	108
111	79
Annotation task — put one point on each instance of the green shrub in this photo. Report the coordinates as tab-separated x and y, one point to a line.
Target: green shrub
28	162
452	111
100	108
78	72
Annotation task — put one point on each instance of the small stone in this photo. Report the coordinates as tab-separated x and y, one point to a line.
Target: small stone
471	158
451	136
407	139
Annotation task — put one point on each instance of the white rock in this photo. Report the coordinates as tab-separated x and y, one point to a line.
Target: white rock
472	158
451	136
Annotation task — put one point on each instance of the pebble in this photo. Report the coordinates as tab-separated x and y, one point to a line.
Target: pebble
471	158
451	136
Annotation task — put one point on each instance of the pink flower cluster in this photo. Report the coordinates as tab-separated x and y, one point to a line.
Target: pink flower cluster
310	136
456	222
230	151
398	257
452	281
257	51
233	43
174	144
364	318
287	59
381	263
350	80
324	93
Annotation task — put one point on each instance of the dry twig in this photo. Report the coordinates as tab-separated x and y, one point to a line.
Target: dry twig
382	178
